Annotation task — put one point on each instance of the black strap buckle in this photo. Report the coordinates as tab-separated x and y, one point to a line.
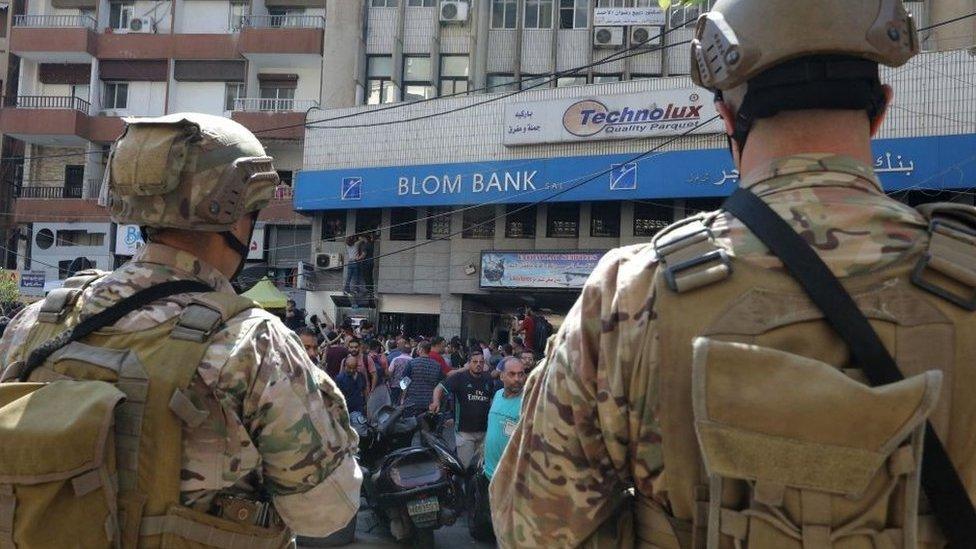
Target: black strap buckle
940	229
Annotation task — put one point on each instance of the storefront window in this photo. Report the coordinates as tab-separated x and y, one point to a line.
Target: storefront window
403	224
438	222
605	219
333	224
519	223
479	222
651	217
563	221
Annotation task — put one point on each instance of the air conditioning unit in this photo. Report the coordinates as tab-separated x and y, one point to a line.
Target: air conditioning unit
141	24
328	262
608	37
454	11
645	36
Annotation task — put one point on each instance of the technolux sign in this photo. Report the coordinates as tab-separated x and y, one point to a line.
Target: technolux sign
623	116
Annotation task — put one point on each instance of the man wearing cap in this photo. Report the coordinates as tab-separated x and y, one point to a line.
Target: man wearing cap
622	440
261	442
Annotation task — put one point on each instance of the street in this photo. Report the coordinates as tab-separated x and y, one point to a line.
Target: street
369	534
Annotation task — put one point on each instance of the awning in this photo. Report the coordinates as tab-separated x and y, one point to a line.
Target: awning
411	304
267	295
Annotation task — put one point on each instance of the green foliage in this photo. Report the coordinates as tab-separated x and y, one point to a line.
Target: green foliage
9	292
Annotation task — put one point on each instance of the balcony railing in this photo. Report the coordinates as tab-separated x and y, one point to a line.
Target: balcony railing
284	192
283	21
55	21
48	102
254	104
89	189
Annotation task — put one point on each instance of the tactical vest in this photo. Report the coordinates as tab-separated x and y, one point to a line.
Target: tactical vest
770	438
92	444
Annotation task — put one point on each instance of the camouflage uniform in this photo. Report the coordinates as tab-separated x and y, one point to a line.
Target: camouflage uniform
270	425
590	426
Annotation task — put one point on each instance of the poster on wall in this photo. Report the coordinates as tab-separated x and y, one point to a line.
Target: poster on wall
616	116
32	283
537	270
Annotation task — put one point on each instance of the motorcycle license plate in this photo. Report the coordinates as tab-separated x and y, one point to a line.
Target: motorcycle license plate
423	506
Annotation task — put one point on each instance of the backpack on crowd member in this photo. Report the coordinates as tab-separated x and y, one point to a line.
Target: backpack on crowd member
543	331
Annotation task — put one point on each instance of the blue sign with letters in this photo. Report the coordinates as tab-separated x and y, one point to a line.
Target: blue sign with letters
939	162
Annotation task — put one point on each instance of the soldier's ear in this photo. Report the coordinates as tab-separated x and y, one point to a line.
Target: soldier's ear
889	94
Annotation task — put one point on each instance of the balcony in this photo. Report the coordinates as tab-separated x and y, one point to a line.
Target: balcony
50	102
273	118
53	121
254	104
283	22
77	202
277	35
54	38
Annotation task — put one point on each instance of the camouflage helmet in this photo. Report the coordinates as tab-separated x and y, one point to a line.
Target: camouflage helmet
187	171
740	39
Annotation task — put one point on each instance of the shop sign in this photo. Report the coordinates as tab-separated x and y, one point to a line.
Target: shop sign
537	270
620	116
628	16
936	162
32	283
128	240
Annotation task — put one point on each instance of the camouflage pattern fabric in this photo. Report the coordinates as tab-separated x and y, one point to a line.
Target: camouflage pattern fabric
272	425
589	429
178	171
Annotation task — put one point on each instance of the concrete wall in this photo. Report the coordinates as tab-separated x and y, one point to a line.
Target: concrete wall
202	17
205	97
48	169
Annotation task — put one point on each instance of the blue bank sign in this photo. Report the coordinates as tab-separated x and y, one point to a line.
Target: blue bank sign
941	162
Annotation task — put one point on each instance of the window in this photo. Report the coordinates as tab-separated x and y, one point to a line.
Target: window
605	219
333	224
422	3
283	17
604	78
563	221
379	87
574	14
277	97
438	222
120	13
368	220
501	83
403	224
538	14
285	177
520	223
238	11
454	74
74	181
503	14
636	76
611	3
416	78
646	3
535	81
685	16
116	95
564	81
479	222
384	3
79	238
232	92
649	218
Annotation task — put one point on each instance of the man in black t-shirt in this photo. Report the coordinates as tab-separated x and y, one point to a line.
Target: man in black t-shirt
472	390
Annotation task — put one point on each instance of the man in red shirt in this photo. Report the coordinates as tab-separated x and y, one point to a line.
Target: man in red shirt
436	350
527	328
334	354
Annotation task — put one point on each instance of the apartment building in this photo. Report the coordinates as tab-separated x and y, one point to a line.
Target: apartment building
451	196
83	65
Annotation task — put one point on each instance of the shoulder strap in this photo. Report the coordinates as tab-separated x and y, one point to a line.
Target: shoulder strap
951	504
207	313
689	256
108	317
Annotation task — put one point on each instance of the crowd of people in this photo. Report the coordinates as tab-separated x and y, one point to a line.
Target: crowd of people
477	383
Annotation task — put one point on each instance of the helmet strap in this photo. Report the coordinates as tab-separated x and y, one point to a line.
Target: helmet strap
241	248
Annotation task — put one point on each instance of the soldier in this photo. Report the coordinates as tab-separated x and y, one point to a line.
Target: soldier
260	439
629	431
